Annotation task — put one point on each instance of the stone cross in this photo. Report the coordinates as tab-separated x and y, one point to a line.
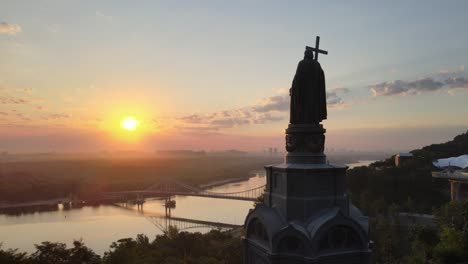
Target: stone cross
316	49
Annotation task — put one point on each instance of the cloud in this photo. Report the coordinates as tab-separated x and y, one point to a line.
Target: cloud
269	109
341	90
443	80
281	102
193	119
23	117
265	118
3	113
27	91
104	16
12	100
273	103
56	116
400	87
456	82
229	122
333	100
227	119
10	29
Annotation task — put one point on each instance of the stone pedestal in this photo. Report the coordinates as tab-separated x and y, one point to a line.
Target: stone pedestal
305	144
299	190
306	216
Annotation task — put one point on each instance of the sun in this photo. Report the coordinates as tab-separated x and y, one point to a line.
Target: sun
129	123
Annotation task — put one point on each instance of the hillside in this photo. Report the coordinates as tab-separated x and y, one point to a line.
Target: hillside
411	186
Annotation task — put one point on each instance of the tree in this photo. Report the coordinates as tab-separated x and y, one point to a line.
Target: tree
423	239
80	254
50	253
12	256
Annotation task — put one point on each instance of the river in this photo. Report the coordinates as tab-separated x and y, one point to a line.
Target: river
99	226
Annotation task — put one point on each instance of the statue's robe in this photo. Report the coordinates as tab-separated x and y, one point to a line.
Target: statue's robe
308	98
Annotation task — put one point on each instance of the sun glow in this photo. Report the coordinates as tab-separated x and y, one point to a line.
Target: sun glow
129	123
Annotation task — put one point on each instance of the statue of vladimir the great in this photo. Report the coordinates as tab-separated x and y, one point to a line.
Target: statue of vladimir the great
308	97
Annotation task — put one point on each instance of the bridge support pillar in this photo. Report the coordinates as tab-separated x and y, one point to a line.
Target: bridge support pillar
454	190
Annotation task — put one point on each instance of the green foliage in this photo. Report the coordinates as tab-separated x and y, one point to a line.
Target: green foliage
453	214
173	247
387	234
52	253
80	254
423	239
447	244
458	146
177	247
452	247
12	256
261	198
382	190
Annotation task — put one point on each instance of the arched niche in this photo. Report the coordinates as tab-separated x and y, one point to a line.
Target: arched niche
256	230
340	237
290	244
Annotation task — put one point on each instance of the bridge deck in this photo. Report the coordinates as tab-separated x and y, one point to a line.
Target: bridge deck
173	193
195	221
456	175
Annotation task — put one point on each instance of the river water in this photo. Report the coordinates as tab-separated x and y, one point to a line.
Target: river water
99	226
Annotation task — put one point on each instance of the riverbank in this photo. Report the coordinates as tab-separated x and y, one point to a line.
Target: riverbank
31	180
222	182
49	202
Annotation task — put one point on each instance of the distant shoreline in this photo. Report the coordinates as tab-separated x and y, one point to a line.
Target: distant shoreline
216	183
211	184
222	182
54	201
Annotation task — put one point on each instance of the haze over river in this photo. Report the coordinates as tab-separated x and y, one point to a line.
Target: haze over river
99	226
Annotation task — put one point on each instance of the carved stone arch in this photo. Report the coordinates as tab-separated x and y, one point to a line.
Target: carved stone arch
290	241
339	234
256	230
291	244
340	237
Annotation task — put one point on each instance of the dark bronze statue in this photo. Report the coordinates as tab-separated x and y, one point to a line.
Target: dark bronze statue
308	97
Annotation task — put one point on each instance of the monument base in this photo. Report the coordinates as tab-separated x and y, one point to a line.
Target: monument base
305	143
298	191
306	216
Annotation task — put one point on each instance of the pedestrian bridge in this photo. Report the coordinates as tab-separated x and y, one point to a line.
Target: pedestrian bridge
174	187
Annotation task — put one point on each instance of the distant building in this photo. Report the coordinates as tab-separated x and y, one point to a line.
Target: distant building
401	158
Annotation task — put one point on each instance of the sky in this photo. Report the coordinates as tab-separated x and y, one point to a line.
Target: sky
213	75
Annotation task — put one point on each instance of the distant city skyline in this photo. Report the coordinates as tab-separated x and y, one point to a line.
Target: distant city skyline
214	76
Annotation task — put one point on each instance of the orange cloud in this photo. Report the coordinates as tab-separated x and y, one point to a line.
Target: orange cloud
10	29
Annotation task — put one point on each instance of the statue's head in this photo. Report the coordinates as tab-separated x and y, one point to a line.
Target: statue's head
308	54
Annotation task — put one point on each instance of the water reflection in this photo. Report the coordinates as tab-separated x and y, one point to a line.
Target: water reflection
100	225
